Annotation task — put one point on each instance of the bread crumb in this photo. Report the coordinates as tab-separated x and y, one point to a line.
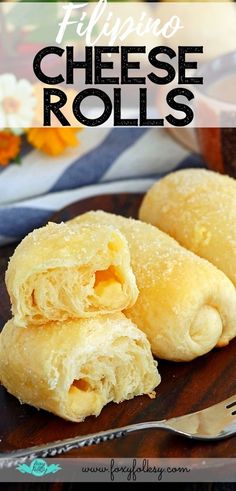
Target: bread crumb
152	394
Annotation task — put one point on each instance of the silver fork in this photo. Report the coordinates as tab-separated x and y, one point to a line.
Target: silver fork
213	423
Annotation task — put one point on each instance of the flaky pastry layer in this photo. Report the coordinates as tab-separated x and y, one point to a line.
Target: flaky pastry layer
186	306
74	369
59	272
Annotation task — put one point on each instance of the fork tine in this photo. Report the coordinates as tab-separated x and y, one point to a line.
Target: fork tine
214	422
225	406
227	403
231	404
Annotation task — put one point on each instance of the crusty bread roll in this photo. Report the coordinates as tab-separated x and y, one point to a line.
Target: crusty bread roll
198	208
186	306
60	272
73	369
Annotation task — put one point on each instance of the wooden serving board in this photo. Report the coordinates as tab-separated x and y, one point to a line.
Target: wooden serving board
185	387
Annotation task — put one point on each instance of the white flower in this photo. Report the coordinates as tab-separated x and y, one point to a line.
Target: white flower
16	103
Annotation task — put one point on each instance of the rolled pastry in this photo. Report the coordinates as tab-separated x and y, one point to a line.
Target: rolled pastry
60	272
73	369
198	208
186	306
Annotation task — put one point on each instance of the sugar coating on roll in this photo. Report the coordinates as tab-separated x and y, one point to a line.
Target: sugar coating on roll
186	306
198	208
74	369
60	272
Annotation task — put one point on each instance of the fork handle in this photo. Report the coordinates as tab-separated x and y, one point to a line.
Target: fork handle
62	446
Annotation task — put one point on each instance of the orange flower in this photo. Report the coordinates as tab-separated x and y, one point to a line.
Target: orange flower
9	147
56	139
53	141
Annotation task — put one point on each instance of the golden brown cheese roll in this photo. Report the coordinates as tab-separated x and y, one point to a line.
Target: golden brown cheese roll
186	306
73	369
198	208
60	272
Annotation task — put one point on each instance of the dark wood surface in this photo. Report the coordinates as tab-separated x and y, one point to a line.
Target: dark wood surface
185	387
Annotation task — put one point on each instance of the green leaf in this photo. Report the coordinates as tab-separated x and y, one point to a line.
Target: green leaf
17	160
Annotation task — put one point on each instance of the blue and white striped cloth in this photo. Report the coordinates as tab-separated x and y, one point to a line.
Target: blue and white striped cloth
108	160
